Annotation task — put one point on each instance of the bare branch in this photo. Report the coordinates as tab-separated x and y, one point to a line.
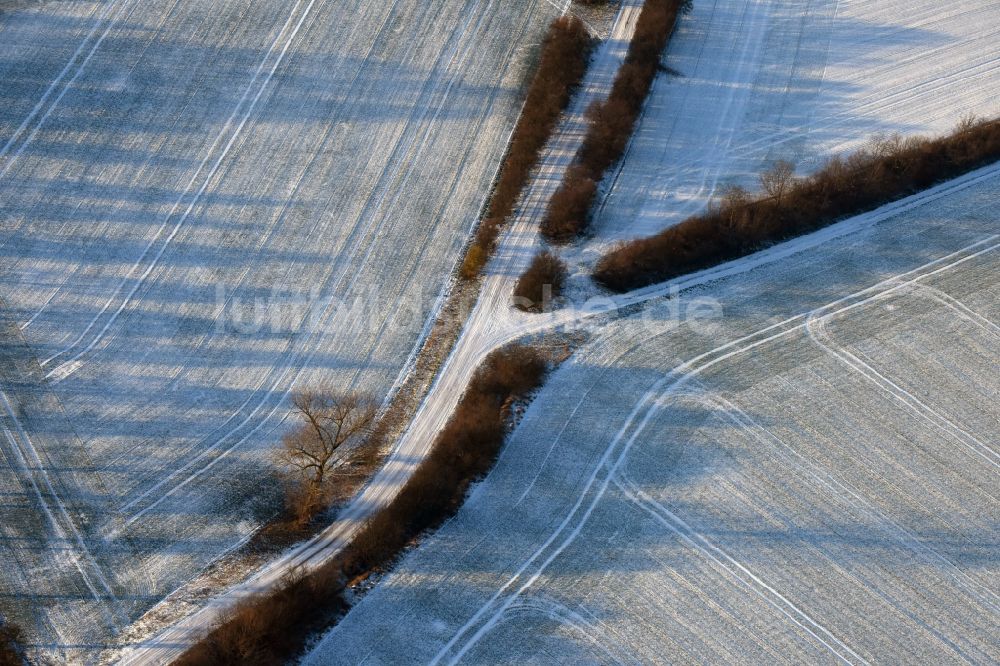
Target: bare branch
777	179
333	424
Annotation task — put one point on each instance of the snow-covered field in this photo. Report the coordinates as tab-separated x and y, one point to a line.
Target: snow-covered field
761	80
188	193
809	478
490	324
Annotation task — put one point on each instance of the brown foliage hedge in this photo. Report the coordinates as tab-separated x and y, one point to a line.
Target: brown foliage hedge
561	67
271	628
888	169
610	123
546	269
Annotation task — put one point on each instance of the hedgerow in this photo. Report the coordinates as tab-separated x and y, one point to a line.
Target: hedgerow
561	66
886	170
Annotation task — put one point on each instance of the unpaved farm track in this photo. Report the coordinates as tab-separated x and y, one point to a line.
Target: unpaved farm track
178	181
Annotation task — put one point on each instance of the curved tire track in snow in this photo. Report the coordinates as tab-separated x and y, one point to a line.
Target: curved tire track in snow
481	621
65	368
36	119
275	394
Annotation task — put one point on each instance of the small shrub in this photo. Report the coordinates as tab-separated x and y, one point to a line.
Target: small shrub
546	271
475	260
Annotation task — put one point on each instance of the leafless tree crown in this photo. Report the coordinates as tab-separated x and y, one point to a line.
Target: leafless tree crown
333	424
777	179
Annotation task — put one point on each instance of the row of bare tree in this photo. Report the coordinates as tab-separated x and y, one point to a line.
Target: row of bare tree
888	168
610	122
610	125
561	67
270	628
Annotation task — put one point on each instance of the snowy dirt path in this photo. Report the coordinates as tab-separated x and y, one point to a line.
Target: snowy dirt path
127	305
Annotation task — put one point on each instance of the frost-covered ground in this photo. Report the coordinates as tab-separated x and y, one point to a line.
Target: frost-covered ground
491	324
188	191
810	478
761	80
813	478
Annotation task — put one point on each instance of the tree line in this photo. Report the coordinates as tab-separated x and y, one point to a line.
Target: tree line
886	169
561	66
609	126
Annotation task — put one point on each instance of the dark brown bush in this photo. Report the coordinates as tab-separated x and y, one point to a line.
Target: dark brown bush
269	629
607	135
561	67
511	371
888	168
11	644
569	207
546	270
610	123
